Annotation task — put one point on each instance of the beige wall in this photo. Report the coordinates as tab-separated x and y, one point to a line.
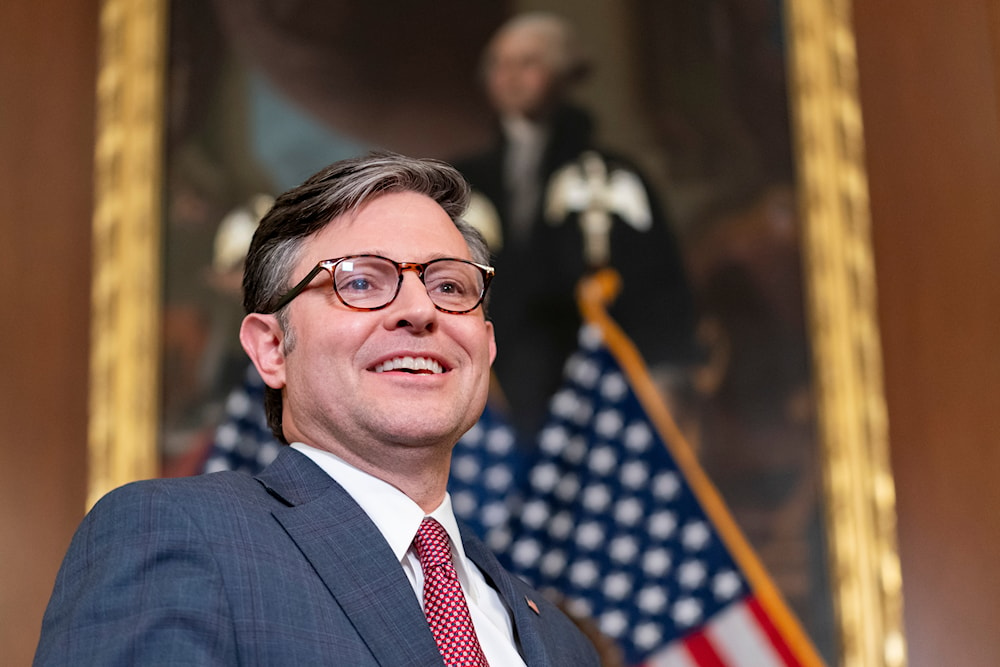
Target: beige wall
929	73
930	101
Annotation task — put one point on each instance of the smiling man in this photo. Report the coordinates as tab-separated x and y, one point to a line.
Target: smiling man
365	298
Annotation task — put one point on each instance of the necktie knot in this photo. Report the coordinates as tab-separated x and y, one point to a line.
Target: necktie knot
432	544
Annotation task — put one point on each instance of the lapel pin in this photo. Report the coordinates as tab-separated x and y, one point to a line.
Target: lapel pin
532	605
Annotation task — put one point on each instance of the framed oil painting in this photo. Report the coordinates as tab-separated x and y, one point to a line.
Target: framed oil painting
744	118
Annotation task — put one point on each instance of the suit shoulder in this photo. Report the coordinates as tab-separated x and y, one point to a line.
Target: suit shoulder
216	483
214	493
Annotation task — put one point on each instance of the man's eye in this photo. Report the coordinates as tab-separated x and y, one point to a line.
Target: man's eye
355	284
448	286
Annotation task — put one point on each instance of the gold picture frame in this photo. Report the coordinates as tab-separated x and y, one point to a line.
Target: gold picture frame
829	149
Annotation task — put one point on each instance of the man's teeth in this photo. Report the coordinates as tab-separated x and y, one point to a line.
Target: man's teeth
415	364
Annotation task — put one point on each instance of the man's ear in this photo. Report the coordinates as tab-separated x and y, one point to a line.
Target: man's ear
262	340
493	341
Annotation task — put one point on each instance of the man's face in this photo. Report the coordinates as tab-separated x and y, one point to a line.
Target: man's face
338	395
521	78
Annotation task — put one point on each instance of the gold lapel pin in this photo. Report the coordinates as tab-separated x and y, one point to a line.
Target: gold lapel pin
532	605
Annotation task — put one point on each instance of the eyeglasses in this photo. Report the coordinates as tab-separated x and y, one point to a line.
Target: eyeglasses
371	282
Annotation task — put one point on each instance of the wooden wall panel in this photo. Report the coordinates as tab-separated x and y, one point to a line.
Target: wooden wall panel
929	77
47	69
928	72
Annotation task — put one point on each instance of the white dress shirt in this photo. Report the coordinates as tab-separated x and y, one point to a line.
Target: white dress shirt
398	517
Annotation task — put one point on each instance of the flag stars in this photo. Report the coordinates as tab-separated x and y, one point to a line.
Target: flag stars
583	412
526	552
545	477
500	441
584	371
634	475
628	511
226	436
662	524
652	599
464	503
495	513
465	468
590	337
726	585
666	485
691	574
647	636
597	498
686	612
590	535
613	387
576	450
535	513
564	404
580	607
553	563
584	574
553	439
602	460
624	549
607	521
239	404
561	525
499	477
638	437
499	539
617	586
568	487
656	562
474	436
608	423
614	623
695	536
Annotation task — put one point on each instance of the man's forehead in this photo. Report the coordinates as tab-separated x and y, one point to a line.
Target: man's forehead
364	231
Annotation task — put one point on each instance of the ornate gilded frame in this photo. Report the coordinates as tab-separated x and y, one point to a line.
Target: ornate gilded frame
839	278
124	355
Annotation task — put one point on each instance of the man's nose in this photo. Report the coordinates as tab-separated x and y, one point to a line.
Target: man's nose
413	305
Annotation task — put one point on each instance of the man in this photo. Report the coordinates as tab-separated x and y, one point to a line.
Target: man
530	68
364	292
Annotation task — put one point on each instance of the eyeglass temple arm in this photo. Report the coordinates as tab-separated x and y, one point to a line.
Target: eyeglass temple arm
298	289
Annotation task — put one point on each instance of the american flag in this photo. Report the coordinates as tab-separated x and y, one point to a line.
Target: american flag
610	520
617	516
243	440
488	468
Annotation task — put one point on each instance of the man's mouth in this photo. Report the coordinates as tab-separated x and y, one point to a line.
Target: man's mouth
410	365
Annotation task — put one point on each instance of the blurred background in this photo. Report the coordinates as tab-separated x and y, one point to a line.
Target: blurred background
702	112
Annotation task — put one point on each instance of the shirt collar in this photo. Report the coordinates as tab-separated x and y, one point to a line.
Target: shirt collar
394	513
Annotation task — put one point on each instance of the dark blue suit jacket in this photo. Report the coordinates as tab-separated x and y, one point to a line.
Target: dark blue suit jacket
281	569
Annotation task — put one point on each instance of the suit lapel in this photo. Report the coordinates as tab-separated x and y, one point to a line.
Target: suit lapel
352	559
523	609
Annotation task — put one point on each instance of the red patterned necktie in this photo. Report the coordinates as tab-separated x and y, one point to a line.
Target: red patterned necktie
444	604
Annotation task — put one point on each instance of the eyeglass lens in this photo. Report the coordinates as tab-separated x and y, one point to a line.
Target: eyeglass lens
372	282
